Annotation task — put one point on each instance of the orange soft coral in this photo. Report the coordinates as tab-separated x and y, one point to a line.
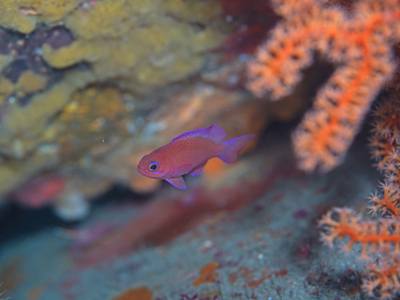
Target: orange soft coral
360	43
380	242
343	224
383	277
385	139
387	204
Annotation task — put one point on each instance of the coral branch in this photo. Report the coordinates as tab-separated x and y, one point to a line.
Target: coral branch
387	204
382	276
382	235
360	43
380	242
385	141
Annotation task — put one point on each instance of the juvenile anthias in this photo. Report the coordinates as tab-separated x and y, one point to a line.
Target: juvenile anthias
189	153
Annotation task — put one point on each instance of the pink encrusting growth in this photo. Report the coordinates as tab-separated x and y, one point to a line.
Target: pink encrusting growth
189	153
174	213
39	191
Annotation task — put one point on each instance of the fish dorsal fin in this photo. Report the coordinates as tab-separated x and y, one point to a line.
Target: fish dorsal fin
213	133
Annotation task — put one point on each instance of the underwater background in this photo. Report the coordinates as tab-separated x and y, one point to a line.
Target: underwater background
309	210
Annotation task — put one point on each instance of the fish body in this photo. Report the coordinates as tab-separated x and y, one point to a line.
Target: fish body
189	153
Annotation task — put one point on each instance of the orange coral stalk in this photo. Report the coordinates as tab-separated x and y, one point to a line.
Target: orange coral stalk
387	204
381	236
383	277
359	42
380	241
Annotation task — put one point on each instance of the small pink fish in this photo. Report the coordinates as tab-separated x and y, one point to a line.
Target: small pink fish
189	153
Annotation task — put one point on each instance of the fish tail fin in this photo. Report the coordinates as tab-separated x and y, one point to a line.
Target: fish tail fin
233	146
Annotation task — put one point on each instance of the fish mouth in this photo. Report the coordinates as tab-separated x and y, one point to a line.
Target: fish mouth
140	170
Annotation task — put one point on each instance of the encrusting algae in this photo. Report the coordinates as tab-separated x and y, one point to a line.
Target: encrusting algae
144	44
25	125
24	15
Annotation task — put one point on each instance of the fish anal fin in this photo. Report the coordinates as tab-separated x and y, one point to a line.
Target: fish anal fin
197	170
178	182
213	133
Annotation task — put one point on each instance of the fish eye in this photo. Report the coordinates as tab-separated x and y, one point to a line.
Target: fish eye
153	166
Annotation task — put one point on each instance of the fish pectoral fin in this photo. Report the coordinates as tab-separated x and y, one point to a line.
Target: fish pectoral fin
182	169
178	182
197	170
